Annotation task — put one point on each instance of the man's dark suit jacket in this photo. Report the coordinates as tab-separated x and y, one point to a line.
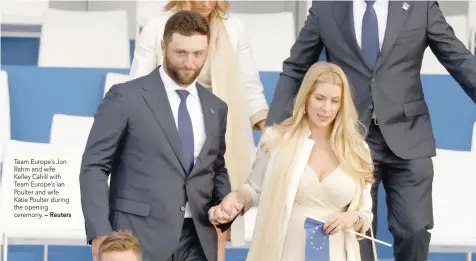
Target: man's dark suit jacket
393	89
135	139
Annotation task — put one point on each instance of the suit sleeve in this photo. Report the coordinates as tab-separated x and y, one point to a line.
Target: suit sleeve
450	51
304	53
222	182
106	133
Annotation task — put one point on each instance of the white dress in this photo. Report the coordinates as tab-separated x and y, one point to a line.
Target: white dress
322	200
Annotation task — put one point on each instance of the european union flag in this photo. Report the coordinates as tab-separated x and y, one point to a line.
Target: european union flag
317	242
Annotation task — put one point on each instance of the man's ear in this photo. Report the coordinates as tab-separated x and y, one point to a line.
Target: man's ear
163	47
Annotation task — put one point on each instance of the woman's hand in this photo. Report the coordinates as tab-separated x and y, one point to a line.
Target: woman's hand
227	210
342	221
261	125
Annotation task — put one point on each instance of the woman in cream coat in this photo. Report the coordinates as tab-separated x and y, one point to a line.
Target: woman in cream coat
315	163
229	72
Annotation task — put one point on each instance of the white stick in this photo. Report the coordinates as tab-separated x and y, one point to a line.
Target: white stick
356	233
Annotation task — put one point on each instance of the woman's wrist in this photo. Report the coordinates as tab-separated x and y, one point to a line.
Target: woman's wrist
240	197
359	219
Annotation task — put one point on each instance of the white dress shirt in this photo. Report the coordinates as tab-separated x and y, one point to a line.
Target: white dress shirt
194	108
381	9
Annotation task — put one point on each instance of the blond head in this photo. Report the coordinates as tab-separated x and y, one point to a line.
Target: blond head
221	8
122	242
345	138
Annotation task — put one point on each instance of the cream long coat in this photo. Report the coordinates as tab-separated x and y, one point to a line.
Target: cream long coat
256	185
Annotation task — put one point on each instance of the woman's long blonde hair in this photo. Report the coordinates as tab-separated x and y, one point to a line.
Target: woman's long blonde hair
346	140
221	9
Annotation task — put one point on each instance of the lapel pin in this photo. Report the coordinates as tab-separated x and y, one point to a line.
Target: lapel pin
212	111
405	6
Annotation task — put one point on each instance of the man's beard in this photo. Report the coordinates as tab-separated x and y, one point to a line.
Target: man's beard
174	73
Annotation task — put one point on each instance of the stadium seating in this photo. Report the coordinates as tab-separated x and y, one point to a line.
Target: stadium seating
22	18
84	39
114	78
453	187
64	125
4	113
271	37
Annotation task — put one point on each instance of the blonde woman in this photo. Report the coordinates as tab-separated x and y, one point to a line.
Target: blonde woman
314	163
229	72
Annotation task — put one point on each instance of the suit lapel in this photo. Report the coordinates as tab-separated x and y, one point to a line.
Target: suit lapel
344	15
397	16
156	98
210	119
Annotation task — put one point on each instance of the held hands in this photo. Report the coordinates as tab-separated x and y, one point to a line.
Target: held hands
341	222
227	210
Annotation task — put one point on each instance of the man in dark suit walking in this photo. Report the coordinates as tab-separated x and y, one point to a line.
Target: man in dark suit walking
380	45
162	138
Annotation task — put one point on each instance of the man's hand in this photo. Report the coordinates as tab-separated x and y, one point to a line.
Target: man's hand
221	215
95	246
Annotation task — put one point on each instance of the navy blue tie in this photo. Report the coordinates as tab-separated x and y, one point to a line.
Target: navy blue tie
185	130
370	40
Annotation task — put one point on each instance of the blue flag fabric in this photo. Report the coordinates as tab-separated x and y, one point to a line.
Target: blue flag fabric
317	242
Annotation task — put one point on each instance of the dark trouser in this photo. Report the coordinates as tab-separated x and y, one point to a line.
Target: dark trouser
189	247
408	187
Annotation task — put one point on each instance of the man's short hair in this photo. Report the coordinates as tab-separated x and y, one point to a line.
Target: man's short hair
121	241
186	23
